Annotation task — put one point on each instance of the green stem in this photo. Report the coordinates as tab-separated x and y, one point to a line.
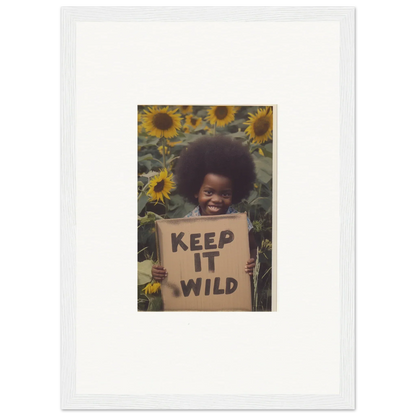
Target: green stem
164	152
143	189
215	127
166	209
266	271
142	250
171	160
255	282
158	161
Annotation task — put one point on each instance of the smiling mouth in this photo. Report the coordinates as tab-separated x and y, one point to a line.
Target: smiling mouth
214	208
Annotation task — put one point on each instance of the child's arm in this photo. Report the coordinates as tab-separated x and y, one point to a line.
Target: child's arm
253	253
159	272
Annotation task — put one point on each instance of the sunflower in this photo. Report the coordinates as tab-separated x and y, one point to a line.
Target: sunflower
221	115
160	186
186	129
193	121
260	125
161	122
140	128
185	109
151	288
208	130
160	148
171	144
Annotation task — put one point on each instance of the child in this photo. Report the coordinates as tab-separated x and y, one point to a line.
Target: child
215	172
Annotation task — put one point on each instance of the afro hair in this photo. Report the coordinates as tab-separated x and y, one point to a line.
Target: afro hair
221	155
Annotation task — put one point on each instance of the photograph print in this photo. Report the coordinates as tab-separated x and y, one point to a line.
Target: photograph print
205	207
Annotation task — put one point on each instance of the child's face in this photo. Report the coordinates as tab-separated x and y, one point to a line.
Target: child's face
215	195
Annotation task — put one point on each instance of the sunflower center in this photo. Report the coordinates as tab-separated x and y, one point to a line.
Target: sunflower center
159	186
221	112
162	121
193	121
261	126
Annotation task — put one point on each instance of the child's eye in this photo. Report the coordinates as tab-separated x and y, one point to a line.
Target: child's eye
208	192
226	194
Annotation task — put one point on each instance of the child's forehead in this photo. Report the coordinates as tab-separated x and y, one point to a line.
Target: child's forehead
216	180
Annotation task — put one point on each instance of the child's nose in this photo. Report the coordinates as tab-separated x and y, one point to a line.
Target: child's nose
216	198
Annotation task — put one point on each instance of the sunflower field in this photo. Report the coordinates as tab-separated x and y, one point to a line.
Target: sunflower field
163	132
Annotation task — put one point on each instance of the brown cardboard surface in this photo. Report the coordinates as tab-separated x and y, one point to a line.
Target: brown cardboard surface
205	259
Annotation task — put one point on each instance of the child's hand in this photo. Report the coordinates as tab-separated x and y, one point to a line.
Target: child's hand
159	272
250	266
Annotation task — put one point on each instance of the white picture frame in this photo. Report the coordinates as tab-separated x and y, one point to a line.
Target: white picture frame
302	358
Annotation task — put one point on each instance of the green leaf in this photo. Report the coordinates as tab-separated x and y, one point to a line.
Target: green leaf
201	126
237	135
252	196
179	207
171	158
146	141
155	302
190	138
180	135
263	168
265	189
144	233
142	201
145	163
268	147
142	300
149	174
144	272
175	201
145	157
201	111
266	153
142	303
181	210
149	218
237	122
265	203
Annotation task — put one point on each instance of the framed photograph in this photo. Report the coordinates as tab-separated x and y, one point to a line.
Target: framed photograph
210	152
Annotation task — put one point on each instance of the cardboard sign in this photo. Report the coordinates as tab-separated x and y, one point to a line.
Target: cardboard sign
205	258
